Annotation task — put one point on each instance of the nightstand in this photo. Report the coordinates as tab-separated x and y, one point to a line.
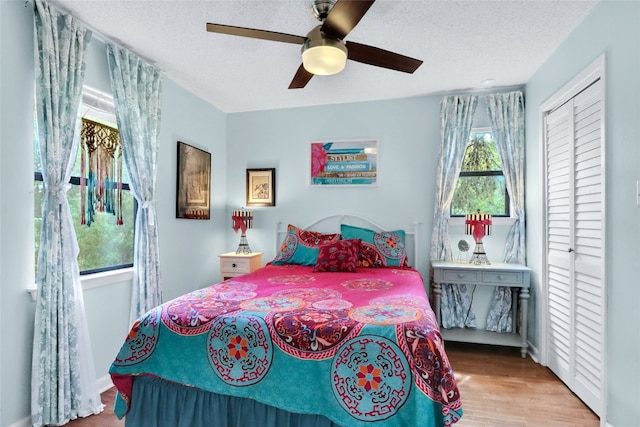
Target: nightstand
515	276
233	264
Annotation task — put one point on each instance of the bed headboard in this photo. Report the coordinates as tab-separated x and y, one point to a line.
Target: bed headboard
331	224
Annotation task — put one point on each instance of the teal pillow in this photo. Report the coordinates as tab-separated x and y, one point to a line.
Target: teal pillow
300	246
378	249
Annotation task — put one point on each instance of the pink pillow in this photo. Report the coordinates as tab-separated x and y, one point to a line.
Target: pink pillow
338	256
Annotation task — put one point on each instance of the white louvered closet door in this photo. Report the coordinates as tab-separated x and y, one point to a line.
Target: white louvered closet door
575	244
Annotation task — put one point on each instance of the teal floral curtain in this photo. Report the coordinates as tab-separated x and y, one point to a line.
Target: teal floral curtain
137	91
456	118
63	382
506	113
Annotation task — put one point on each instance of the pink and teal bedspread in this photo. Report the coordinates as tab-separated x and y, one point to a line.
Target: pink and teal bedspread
354	347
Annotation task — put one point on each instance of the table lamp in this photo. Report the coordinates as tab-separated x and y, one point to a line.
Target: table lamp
242	220
478	225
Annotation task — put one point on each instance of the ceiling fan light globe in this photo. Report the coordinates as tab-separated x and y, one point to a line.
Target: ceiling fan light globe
324	57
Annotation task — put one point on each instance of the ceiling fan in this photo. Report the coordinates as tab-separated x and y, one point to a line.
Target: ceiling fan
324	50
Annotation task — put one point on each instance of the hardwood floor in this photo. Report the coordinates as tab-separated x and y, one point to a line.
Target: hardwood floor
498	389
105	419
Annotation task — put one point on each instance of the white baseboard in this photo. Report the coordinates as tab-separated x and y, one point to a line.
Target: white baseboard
103	383
25	422
534	353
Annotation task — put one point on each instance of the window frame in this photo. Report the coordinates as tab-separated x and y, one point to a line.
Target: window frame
507	199
103	106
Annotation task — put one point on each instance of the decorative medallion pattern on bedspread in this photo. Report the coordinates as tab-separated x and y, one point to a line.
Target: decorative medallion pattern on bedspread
312	333
240	349
367	284
292	279
384	314
273	304
423	346
191	314
309	295
356	349
371	378
141	341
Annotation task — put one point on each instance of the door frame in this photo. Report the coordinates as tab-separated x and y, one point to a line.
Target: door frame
593	72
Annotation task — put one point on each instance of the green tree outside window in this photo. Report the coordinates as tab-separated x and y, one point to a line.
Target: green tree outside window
481	185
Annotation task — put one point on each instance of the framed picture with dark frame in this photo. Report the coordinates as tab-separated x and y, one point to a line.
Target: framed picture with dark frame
193	191
261	187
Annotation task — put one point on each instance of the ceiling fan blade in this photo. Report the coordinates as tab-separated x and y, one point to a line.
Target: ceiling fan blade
344	16
255	34
381	58
301	78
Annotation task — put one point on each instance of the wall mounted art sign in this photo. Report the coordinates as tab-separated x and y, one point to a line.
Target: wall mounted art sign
194	183
353	162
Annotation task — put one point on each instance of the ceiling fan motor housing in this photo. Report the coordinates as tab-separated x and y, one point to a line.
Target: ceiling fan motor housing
321	8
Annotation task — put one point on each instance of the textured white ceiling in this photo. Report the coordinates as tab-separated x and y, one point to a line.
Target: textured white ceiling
461	43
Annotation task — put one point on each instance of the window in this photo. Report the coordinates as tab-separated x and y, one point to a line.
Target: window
481	184
104	243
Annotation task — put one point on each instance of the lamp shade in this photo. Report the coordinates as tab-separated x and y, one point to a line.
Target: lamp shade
242	220
478	225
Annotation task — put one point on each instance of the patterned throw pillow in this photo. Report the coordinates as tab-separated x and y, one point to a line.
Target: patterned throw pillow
378	249
300	246
338	256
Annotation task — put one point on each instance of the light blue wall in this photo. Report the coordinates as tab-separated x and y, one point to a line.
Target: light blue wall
613	28
188	248
408	133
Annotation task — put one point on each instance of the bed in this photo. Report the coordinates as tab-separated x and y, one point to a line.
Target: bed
335	331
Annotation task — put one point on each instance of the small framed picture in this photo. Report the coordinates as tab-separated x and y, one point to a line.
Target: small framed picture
261	187
193	193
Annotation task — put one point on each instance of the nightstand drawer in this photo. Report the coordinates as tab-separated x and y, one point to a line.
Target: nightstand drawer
499	278
460	276
235	265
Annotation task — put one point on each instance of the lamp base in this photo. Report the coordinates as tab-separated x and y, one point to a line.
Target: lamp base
479	255
243	247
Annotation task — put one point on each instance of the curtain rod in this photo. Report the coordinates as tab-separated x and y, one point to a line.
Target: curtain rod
497	89
97	34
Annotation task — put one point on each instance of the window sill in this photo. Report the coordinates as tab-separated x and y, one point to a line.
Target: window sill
96	280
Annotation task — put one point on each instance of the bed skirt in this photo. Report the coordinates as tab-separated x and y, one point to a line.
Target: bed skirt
159	403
